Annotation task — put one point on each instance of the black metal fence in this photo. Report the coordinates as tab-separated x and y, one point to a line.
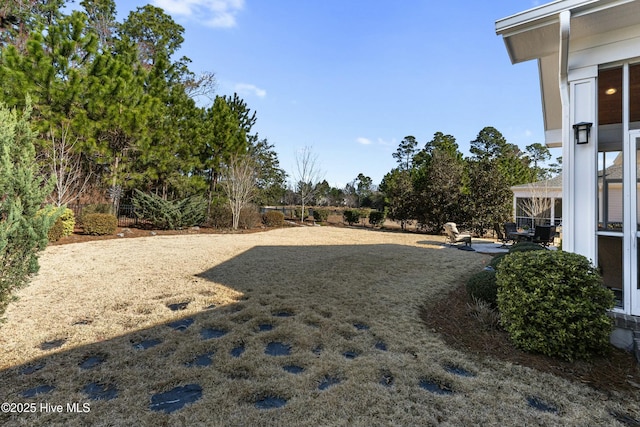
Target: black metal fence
126	213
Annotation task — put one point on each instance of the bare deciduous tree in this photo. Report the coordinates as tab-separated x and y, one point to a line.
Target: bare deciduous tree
238	181
306	176
66	167
538	205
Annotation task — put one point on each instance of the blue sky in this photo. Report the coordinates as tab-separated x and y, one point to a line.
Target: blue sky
352	78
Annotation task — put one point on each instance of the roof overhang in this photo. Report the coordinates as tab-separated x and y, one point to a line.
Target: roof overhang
535	34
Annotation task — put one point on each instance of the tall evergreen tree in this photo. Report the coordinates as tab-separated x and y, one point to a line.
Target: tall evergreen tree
19	18
539	154
397	187
23	229
439	188
102	21
443	143
489	198
271	178
405	152
154	33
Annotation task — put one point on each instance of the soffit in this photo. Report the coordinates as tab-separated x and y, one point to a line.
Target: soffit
535	33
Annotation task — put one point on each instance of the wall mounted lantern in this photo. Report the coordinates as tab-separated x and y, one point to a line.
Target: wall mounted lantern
582	131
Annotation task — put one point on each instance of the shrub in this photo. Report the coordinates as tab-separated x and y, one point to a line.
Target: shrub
297	213
103	208
68	220
273	219
220	216
63	225
249	218
352	216
496	260
321	215
525	247
167	214
482	286
23	233
485	313
554	303
376	218
56	232
100	224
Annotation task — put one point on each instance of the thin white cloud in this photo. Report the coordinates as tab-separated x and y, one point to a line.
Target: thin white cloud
212	13
363	141
249	89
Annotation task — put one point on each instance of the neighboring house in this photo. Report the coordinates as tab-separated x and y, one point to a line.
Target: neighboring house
588	55
538	203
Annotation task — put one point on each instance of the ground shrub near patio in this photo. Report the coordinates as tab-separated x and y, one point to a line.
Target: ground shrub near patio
553	302
525	247
482	286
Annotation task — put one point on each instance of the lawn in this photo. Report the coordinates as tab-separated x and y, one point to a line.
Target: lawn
317	326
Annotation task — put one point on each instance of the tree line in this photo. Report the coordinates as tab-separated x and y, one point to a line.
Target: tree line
114	110
437	184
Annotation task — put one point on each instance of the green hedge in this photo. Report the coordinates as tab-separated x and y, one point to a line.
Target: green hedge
273	219
321	215
553	302
525	246
100	224
482	286
63	226
104	208
376	218
352	216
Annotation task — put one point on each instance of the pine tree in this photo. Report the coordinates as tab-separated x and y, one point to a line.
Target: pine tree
23	225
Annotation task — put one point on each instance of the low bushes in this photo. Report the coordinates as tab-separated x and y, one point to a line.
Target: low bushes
249	217
99	223
352	216
376	218
219	216
482	286
273	219
56	232
553	302
104	208
169	214
297	213
63	226
321	215
525	247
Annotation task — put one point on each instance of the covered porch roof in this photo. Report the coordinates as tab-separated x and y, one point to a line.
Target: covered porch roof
536	34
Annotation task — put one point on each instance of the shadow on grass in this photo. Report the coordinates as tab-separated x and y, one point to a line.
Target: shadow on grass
161	369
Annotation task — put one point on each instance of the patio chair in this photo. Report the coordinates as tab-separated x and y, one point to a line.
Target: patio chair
454	236
510	230
505	237
544	234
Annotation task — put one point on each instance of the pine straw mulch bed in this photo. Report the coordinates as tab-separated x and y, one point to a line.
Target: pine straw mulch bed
451	318
344	304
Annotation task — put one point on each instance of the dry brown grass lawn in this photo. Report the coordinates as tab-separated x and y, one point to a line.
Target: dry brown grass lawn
325	292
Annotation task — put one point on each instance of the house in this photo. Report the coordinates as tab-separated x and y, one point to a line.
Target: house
538	203
588	54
